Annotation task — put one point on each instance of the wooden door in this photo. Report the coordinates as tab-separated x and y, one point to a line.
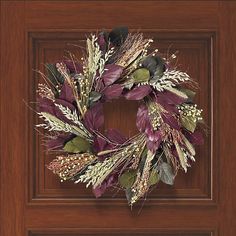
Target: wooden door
35	203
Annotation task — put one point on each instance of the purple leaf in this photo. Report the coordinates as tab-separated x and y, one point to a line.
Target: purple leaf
66	93
98	191
113	91
168	107
171	98
94	117
195	137
73	67
47	105
169	101
154	141
99	144
111	74
138	92
116	136
101	41
142	118
170	120
58	142
65	104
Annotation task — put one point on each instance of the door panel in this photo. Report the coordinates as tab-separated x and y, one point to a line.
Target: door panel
34	202
195	55
119	232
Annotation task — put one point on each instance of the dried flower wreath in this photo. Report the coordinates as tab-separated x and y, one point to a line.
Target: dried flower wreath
117	64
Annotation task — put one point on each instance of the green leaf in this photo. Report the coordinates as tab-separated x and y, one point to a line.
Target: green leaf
126	180
77	145
128	194
158	73
140	75
188	92
53	75
94	97
166	173
153	178
188	123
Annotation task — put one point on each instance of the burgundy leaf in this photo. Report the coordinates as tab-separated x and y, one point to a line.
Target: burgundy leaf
110	181
111	74
99	144
138	92
171	98
116	136
100	190
195	137
66	93
170	120
94	117
73	67
64	103
154	140
47	105
58	142
167	106
142	118
113	91
169	101
102	41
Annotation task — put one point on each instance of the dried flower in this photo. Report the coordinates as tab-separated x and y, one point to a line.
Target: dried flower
67	167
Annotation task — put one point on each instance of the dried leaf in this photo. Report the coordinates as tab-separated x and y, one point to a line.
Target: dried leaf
126	180
188	92
66	93
142	118
188	123
140	75
189	146
170	120
94	97
53	75
94	117
73	67
166	173
118	35
113	91
153	178
138	92
102	41
100	190
177	92
181	156
155	65
128	194
111	74
77	145
116	136
58	141
195	138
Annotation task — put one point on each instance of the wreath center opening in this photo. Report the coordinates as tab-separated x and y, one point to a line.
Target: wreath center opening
121	114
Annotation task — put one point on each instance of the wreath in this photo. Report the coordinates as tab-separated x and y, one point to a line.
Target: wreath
119	64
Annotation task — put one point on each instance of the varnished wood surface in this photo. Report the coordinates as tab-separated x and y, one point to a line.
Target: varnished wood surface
32	201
